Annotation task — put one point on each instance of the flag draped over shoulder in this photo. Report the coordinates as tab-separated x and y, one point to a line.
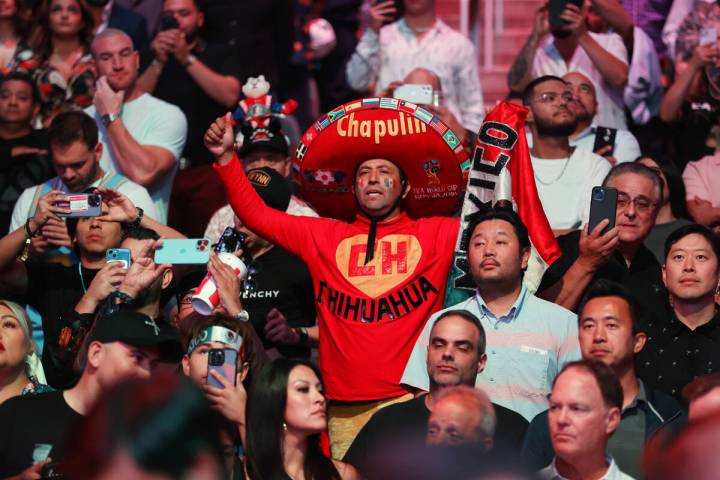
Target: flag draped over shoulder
502	172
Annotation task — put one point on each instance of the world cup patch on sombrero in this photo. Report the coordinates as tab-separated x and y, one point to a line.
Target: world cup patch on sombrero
419	143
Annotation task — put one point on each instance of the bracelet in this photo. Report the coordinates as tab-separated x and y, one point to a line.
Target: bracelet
28	233
124	297
189	60
303	333
136	222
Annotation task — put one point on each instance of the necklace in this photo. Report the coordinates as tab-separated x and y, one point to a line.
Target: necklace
562	172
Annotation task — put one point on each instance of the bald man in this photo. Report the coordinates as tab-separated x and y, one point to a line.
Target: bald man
142	136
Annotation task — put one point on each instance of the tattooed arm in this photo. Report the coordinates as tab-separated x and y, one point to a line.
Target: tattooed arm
520	72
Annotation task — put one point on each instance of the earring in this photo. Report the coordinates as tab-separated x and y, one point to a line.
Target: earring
284	427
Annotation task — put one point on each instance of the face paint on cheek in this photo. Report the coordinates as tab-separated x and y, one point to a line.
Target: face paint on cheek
362	183
389	183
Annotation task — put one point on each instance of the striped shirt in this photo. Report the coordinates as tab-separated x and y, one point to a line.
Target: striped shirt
525	348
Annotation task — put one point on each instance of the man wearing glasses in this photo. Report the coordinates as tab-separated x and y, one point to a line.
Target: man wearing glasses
619	253
564	175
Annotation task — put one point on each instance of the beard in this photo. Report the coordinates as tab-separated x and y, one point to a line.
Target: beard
563	129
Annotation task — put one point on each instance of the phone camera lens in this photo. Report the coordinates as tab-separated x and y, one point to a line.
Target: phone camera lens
94	200
217	357
599	195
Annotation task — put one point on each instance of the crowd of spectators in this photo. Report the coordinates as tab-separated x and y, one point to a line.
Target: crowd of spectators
341	356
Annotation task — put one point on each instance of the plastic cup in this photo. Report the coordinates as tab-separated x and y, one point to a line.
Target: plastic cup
206	296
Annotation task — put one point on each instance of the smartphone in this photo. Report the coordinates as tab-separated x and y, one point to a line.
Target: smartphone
603	204
224	362
186	251
707	35
230	241
121	255
417	93
81	205
605	136
168	22
50	471
555	8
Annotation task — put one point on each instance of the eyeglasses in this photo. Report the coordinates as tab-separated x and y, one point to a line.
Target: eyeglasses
641	203
250	284
553	97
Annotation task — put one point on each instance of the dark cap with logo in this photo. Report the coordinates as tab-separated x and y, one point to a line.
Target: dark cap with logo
269	137
271	186
138	330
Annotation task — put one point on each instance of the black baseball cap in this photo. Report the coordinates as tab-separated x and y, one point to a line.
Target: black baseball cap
138	330
266	136
271	186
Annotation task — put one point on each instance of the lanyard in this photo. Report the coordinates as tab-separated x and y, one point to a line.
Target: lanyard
82	279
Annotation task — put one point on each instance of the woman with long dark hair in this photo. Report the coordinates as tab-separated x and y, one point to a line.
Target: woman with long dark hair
286	415
673	212
60	40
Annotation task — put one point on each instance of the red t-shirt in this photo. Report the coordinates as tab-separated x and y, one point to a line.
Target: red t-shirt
369	315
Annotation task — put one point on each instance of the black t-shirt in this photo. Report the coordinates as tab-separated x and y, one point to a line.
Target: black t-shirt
33	426
283	282
176	86
643	278
54	289
21	172
404	425
674	355
259	31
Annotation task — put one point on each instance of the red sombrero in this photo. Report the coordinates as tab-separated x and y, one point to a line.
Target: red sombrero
431	156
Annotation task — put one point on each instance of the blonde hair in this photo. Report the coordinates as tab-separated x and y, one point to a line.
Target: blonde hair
33	367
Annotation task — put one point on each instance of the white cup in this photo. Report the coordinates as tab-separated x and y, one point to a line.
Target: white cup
206	296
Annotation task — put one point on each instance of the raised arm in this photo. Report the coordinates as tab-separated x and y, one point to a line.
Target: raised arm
685	73
613	70
595	250
364	65
289	232
521	71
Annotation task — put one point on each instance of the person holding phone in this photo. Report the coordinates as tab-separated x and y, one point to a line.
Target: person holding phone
618	254
615	145
202	79
571	46
121	346
394	45
218	332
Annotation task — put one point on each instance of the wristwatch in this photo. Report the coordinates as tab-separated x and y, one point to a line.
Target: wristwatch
109	118
242	315
189	60
138	219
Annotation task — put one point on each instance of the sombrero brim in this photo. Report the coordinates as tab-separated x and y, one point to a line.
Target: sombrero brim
428	152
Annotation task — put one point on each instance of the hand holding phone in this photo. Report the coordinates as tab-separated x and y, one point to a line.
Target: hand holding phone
224	362
186	251
604	138
603	205
119	255
417	93
80	205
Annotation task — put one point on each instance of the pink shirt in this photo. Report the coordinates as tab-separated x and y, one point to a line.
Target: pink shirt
702	179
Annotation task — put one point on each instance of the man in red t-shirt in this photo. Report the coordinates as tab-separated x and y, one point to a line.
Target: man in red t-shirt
379	278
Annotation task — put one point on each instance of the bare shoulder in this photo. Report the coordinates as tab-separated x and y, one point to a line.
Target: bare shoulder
347	471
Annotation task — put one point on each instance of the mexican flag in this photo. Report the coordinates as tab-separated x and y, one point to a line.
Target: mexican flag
502	172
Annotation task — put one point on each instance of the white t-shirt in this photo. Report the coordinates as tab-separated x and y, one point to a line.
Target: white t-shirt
136	193
564	186
151	122
611	107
